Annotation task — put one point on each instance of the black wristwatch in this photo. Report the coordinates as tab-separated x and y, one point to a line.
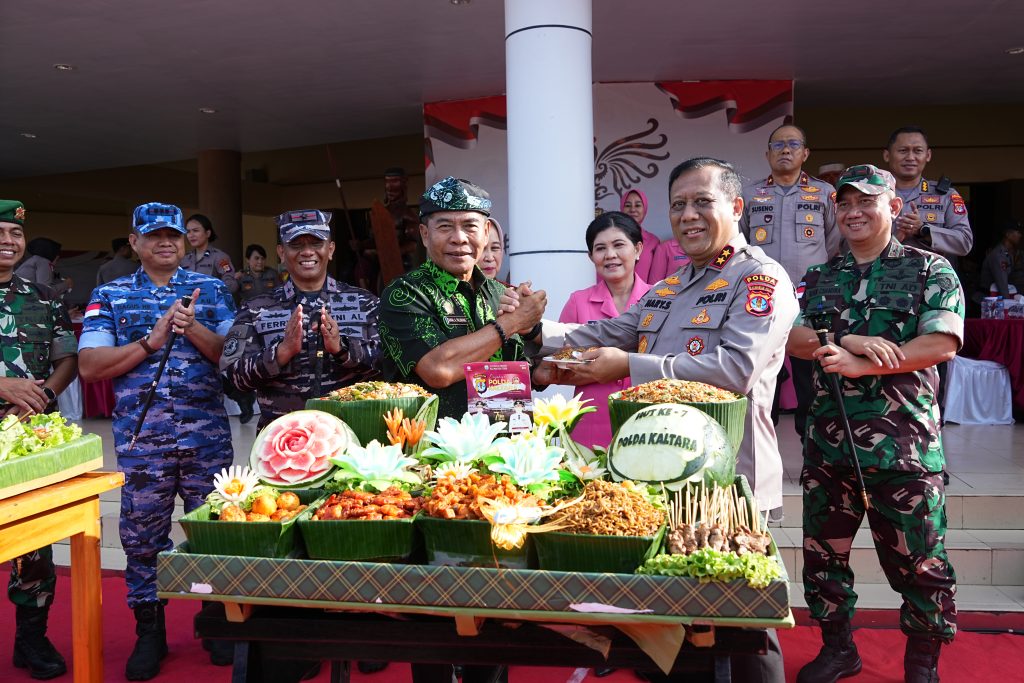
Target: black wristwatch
535	330
50	394
837	338
925	232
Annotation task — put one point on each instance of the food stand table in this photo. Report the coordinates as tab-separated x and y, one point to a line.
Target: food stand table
275	608
46	515
1001	341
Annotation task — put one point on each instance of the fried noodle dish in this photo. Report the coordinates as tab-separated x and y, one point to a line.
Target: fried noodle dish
676	391
610	509
368	391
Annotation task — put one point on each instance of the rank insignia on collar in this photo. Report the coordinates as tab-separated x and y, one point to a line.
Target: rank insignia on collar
674	280
701	318
924	186
804	178
665	291
716	285
695	346
723	257
647	320
642	346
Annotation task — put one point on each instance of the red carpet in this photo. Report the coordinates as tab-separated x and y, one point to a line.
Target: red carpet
973	657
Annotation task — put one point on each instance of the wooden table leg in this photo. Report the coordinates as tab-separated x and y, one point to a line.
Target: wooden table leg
87	596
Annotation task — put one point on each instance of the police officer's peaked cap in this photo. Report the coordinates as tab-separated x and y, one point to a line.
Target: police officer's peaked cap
454	194
154	215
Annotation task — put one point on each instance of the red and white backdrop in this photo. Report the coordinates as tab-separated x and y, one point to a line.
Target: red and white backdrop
642	130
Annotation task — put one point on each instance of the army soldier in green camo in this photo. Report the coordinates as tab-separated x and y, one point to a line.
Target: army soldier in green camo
893	313
35	333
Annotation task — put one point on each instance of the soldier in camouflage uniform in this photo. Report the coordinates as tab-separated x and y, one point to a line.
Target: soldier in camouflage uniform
273	346
185	440
893	312
35	333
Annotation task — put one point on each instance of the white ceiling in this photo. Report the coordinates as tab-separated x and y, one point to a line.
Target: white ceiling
312	71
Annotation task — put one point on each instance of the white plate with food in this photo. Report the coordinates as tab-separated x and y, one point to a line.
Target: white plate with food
566	358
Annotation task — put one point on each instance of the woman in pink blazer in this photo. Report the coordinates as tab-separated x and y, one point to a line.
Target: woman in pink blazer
634	205
615	244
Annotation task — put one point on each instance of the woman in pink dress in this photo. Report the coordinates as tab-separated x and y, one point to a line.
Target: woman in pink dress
634	205
615	244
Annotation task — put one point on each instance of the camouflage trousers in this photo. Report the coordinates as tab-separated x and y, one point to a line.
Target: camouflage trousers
908	526
33	578
151	483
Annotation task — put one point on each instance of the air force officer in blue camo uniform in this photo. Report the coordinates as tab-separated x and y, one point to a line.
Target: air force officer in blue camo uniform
185	440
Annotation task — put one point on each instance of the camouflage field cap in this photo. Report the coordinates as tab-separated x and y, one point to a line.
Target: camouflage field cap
292	224
154	215
12	211
867	178
454	194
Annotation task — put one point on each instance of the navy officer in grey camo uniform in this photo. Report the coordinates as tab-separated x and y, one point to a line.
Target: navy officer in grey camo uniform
308	337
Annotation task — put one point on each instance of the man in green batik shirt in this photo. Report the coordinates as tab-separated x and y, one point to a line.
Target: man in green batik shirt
38	359
893	313
442	315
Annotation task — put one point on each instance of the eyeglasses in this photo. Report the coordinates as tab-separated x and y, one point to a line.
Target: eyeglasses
780	145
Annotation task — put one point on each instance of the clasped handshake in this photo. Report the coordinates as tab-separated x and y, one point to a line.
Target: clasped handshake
521	309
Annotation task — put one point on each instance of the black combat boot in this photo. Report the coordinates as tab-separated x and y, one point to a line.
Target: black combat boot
921	659
32	649
151	646
837	659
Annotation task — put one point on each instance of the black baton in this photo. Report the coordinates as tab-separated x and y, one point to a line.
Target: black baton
837	393
186	301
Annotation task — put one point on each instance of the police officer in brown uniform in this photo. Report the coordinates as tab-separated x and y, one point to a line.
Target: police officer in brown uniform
201	257
723	319
791	216
934	216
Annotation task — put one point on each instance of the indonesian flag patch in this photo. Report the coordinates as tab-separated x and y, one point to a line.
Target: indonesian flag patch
92	309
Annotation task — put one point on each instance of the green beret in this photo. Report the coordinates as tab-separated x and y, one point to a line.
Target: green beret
12	211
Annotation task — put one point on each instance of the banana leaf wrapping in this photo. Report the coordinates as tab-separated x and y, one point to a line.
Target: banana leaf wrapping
366	417
564	552
467	543
16	474
210	536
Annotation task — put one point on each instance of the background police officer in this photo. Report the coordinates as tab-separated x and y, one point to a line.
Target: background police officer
203	258
35	333
894	312
791	216
934	216
185	439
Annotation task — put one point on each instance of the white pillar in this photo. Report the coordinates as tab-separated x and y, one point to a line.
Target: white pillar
549	92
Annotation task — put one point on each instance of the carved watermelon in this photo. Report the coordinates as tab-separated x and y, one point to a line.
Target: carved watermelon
295	450
672	444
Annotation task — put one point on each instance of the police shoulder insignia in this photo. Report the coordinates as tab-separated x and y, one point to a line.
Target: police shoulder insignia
701	318
647	320
225	265
642	346
760	290
958	204
723	257
695	346
672	280
717	284
230	346
833	197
